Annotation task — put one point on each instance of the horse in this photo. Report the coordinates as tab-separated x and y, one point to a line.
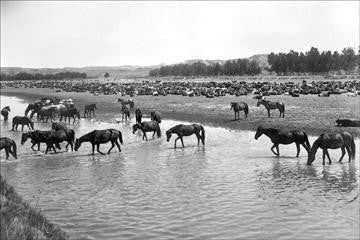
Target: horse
23	121
156	116
129	102
37	137
48	113
32	107
58	125
69	113
138	115
5	112
186	130
284	137
7	143
242	106
98	137
89	108
342	140
269	105
125	112
150	126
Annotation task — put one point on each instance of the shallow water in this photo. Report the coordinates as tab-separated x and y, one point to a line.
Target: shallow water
233	188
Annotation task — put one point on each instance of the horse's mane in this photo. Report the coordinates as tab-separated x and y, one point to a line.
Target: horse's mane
272	130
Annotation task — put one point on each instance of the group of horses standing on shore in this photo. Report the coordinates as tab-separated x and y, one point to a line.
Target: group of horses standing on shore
60	133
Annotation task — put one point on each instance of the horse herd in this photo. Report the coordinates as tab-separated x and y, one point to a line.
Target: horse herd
60	133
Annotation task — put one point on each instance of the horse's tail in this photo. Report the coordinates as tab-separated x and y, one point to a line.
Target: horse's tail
202	134
246	109
307	143
14	149
120	138
158	131
352	148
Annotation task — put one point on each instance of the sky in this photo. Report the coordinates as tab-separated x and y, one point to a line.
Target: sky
77	34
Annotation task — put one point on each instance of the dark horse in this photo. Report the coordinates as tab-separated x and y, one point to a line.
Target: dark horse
23	121
186	130
242	106
138	115
98	137
129	102
48	113
5	112
37	137
151	126
284	137
7	143
89	108
69	113
269	105
125	112
32	107
333	141
156	116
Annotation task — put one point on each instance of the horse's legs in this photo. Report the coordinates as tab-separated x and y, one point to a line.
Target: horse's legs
235	115
298	149
38	146
7	153
327	154
306	147
93	148
280	112
98	149
176	141
198	137
29	126
153	134
342	153
272	149
348	152
112	146
145	136
323	156
118	145
182	142
16	126
268	113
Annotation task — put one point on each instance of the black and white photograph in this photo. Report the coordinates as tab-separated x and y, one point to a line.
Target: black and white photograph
194	120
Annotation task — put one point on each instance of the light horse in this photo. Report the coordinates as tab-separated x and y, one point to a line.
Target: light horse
89	108
129	102
186	130
7	143
151	126
242	106
269	105
23	121
5	112
98	137
138	115
69	113
333	141
125	112
156	116
284	137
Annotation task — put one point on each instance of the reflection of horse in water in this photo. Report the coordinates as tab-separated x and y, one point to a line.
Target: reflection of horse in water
186	130
284	137
269	105
7	144
333	141
23	121
242	106
5	112
151	126
98	137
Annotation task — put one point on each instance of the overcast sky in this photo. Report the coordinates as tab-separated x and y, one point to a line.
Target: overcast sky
76	34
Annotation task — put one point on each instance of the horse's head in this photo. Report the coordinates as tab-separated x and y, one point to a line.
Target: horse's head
259	132
168	135
259	102
31	124
152	114
232	105
77	144
311	157
24	137
8	108
135	128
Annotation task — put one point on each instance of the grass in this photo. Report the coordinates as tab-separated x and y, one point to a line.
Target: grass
19	220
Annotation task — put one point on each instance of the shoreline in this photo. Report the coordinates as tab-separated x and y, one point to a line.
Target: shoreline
300	114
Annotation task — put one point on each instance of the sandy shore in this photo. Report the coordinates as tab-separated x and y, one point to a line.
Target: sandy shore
308	113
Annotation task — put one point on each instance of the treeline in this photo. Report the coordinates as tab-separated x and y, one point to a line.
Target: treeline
229	68
313	62
39	76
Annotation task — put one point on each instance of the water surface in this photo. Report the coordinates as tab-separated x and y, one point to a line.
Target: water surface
233	188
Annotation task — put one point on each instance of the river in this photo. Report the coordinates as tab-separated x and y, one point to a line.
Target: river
233	188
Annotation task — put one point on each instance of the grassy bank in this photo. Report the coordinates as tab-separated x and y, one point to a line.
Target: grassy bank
21	221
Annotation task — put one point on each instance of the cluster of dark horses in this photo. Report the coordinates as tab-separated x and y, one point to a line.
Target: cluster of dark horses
269	105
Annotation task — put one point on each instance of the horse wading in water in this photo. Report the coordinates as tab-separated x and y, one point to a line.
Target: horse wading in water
138	115
242	106
7	144
125	112
89	108
69	113
156	116
269	105
129	102
5	112
98	137
186	130
150	126
284	137
333	141
23	121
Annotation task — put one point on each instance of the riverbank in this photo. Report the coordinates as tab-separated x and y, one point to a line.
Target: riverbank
21	221
308	113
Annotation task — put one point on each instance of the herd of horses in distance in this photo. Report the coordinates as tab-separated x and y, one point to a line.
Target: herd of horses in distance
48	108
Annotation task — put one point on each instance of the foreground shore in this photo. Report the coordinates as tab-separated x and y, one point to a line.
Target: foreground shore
21	221
308	113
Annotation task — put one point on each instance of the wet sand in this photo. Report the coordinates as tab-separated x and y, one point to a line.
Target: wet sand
308	113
